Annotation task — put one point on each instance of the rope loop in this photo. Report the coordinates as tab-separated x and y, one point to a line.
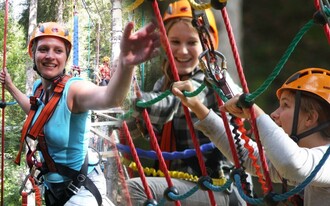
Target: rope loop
169	190
201	181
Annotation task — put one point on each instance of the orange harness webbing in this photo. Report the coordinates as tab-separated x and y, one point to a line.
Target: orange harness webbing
46	113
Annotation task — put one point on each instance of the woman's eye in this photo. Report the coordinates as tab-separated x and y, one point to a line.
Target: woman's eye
58	51
42	49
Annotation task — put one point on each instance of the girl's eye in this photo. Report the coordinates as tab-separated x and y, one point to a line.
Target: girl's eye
193	43
175	42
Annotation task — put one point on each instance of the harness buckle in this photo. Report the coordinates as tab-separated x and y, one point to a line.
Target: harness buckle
73	188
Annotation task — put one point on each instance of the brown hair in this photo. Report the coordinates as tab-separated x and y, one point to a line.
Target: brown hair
311	102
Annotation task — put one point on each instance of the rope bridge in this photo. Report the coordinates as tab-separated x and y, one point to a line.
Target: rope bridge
204	182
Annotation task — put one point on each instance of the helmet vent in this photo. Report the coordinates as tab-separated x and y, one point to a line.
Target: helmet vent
55	30
42	29
184	9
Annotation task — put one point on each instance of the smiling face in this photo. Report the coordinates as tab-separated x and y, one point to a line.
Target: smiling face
185	45
50	56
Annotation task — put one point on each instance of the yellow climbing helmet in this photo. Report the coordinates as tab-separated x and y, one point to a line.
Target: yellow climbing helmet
182	8
50	29
105	59
313	80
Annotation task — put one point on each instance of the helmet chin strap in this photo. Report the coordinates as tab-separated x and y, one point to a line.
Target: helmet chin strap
296	137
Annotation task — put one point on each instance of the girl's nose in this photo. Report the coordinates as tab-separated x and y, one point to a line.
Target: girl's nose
183	49
275	114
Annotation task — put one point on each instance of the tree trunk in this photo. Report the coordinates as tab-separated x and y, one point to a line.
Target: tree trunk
114	186
59	16
32	24
117	27
30	79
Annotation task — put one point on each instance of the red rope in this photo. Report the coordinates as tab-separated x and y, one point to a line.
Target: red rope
24	198
229	135
3	100
154	142
37	192
137	160
167	48
246	90
326	26
251	155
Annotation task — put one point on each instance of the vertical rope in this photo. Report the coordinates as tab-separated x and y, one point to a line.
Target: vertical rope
154	143
246	90
137	160
75	37
3	100
326	26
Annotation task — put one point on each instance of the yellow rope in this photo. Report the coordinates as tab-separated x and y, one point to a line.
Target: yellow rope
176	174
198	6
133	6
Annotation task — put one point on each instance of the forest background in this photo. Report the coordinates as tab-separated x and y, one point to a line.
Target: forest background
263	31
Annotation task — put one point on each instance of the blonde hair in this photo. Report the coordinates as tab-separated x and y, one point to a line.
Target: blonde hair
166	68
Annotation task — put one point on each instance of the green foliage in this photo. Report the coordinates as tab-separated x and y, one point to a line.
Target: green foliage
46	12
16	58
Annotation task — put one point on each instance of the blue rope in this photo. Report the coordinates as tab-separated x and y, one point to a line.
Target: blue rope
184	196
300	187
167	155
281	197
75	42
217	188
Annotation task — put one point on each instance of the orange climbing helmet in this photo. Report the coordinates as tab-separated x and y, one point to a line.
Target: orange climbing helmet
50	29
182	8
313	80
105	59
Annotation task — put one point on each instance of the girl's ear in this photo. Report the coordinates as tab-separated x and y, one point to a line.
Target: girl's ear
312	118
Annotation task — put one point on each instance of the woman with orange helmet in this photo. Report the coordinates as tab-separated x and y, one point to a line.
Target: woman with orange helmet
168	115
295	137
71	176
105	71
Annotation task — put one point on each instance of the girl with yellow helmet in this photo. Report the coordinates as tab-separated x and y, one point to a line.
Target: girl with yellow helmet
295	137
168	115
70	175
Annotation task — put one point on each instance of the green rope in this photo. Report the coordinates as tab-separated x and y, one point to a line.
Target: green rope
251	97
153	101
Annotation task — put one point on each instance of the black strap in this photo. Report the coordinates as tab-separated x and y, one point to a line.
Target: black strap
80	179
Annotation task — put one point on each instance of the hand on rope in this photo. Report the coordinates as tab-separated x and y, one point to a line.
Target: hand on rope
5	78
240	108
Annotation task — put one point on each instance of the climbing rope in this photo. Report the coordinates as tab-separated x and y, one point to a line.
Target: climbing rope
75	64
4	57
237	123
186	110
